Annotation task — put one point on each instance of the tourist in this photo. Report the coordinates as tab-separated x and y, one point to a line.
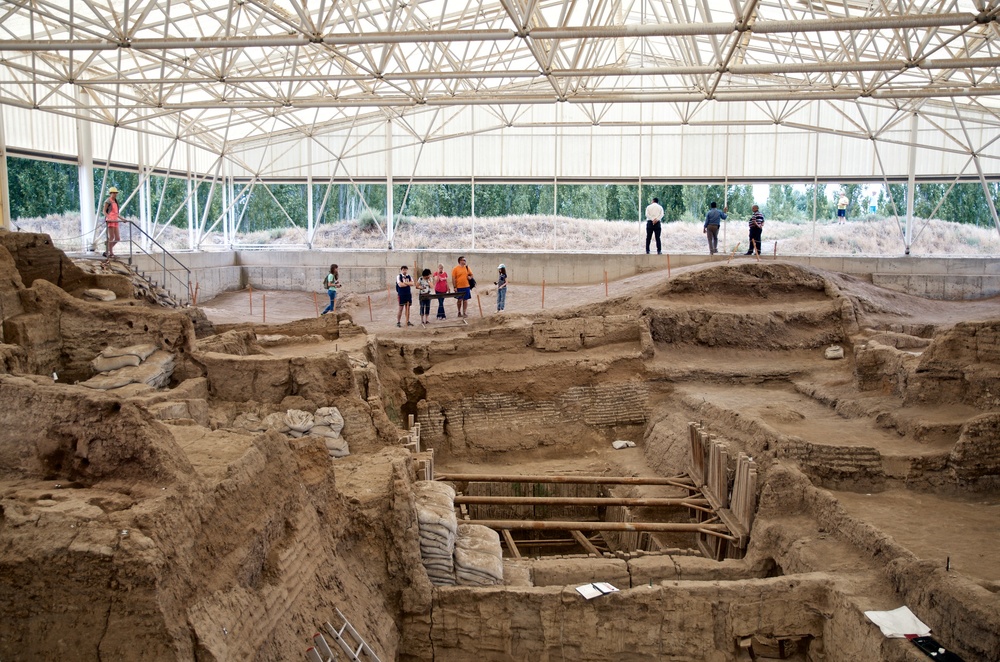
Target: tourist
403	284
112	218
501	284
756	230
440	278
424	290
461	278
842	207
713	219
654	214
331	283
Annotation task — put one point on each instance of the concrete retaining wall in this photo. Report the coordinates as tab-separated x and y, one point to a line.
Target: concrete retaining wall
368	271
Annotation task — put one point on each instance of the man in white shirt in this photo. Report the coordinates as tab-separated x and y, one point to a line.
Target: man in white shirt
654	214
842	208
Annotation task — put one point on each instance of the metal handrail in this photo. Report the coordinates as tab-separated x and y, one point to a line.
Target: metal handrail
163	262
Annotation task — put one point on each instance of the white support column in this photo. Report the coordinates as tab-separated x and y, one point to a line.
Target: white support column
4	189
225	192
85	174
389	222
144	208
310	214
191	205
911	185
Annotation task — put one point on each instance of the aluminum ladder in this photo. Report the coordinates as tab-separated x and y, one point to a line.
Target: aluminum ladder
356	650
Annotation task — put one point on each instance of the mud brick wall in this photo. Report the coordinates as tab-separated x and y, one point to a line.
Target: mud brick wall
834	463
559	335
490	420
818	325
961	365
683	621
977	453
878	367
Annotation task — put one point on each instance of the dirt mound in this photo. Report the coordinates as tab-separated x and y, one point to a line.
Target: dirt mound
753	280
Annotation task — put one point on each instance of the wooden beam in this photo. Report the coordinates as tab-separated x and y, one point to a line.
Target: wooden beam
546	525
511	545
586	544
687	502
676	481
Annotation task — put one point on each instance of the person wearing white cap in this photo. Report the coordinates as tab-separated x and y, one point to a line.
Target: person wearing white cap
501	284
111	217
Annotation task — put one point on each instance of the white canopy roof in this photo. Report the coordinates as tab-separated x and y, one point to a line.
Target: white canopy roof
514	89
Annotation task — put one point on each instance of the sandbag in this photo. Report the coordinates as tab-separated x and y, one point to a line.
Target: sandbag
330	417
324	431
298	420
106	364
141	351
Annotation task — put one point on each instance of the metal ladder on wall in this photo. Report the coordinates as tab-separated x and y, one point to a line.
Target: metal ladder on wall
356	650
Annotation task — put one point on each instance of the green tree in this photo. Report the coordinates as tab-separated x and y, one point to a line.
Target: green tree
858	202
824	209
781	203
740	199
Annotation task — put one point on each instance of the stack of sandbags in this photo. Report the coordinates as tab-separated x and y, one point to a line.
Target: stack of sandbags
325	424
437	526
478	556
138	364
329	424
114	358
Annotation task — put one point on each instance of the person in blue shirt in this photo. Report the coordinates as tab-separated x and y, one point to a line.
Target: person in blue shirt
713	219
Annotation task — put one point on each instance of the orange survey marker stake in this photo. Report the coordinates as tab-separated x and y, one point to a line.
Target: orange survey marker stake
543	293
250	288
371	317
388	295
196	286
264	298
480	302
755	249
316	303
775	250
733	254
668	265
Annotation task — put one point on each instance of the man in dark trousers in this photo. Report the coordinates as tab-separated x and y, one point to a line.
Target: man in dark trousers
756	230
654	214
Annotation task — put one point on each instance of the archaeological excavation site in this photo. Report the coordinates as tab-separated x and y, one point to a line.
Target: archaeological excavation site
735	462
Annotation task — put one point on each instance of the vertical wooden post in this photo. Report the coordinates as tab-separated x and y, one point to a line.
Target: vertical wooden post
543	293
196	286
480	302
371	317
733	253
775	250
388	294
668	265
250	289
316	303
264	298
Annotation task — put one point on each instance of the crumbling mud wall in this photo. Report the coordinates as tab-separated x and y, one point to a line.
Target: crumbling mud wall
36	258
676	621
961	365
116	543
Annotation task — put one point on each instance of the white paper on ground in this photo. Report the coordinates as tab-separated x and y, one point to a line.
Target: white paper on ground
898	623
591	591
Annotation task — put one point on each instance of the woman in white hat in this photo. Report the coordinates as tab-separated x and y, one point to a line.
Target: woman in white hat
111	217
501	287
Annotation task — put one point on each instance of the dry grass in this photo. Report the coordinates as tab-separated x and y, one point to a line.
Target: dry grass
545	233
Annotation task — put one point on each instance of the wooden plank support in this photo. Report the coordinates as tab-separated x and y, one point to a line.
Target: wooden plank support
729	520
676	481
511	545
586	544
687	502
546	525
